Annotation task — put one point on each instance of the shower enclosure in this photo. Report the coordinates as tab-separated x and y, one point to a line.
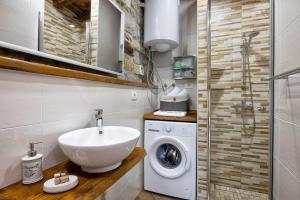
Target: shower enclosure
239	104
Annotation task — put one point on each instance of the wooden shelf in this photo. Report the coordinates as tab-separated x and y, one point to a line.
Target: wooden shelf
21	65
90	186
190	117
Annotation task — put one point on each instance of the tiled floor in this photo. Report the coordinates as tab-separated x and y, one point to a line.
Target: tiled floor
218	193
153	196
227	193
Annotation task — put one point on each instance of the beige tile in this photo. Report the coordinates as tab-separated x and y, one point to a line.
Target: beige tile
228	193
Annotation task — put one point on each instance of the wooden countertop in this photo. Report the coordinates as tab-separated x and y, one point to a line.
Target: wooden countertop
33	67
190	117
90	186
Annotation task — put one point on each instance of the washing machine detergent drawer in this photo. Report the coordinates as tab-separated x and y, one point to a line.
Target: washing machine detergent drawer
170	164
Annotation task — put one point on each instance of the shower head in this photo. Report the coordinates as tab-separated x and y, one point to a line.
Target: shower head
253	34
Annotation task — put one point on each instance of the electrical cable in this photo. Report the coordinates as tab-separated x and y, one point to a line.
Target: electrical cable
152	75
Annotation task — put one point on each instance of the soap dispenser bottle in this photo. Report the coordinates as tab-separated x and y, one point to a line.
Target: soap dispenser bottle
32	170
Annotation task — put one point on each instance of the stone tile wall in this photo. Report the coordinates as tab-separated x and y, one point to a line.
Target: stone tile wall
59	38
94	30
134	37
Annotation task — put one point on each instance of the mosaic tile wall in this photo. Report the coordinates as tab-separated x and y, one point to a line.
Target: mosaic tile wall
202	151
239	156
59	38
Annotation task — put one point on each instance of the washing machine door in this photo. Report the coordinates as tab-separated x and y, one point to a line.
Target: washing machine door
169	157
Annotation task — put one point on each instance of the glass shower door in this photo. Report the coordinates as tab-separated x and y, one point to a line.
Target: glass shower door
239	145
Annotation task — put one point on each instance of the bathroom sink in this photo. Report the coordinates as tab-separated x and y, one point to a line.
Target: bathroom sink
97	153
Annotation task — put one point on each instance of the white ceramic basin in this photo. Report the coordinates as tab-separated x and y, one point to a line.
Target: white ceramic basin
95	152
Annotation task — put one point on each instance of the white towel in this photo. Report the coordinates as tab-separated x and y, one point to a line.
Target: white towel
170	113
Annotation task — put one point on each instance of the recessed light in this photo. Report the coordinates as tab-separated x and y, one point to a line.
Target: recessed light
72	25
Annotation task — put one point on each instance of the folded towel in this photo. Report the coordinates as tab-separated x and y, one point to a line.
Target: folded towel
170	113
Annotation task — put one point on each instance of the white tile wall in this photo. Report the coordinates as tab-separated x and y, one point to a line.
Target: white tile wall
287	102
289	99
288	185
275	179
21	100
276	138
41	108
289	147
287	24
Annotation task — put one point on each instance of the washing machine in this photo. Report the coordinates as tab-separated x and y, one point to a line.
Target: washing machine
170	164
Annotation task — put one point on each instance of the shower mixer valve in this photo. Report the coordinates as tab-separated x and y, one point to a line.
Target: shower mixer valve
247	106
261	108
243	106
236	107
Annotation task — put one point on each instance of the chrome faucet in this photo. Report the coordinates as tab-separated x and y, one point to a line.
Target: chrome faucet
99	120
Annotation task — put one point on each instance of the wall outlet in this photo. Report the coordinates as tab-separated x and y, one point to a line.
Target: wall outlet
142	70
134	96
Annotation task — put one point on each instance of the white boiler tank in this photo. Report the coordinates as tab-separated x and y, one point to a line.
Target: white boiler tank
161	24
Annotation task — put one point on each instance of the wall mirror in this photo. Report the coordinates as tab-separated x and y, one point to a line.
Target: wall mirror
88	33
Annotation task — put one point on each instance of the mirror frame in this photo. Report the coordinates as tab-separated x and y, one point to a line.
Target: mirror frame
73	62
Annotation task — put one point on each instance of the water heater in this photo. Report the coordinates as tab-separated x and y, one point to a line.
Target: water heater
161	24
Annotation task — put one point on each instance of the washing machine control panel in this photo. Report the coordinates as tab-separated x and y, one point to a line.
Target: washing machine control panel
171	128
